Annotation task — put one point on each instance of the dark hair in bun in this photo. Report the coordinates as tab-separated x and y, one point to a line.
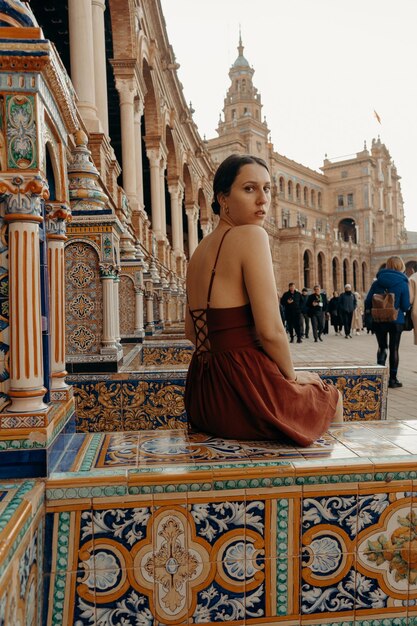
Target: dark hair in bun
226	174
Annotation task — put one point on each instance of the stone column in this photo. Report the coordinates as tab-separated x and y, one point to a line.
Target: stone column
56	238
139	105
154	157
168	318
80	18
100	72
162	167
116	300
150	324
139	329
108	342
176	192
207	228
23	214
160	299
126	89
192	216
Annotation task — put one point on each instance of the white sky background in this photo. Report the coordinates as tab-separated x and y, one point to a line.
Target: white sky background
321	67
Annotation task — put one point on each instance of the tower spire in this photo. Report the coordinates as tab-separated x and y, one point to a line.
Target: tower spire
240	46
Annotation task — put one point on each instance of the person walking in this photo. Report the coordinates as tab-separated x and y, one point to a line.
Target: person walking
332	309
391	279
347	304
291	301
413	298
357	319
305	320
316	305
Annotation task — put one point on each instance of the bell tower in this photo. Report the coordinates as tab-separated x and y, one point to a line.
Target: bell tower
241	128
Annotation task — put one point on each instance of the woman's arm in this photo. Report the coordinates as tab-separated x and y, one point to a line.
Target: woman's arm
258	276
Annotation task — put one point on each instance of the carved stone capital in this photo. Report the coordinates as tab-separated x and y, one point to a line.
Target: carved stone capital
22	196
108	270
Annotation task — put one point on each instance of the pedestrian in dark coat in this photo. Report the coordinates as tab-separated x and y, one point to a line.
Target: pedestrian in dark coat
317	305
305	319
332	308
291	301
347	304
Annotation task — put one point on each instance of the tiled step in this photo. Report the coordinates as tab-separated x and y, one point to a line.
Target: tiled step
152	397
171	528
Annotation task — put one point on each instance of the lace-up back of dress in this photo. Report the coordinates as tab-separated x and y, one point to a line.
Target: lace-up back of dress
199	316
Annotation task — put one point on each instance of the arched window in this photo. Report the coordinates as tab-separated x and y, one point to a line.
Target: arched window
307	268
355	276
281	185
306	199
364	282
297	192
347	229
320	268
319	199
335	273
345	271
290	189
313	198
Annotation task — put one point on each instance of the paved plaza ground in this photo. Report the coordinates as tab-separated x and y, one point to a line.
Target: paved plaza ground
361	349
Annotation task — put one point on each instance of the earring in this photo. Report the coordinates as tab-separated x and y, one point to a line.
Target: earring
226	210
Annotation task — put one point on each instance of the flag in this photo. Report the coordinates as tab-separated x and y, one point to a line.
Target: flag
378	119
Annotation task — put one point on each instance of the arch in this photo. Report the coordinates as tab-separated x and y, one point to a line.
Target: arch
127	302
88	242
319	199
345	271
152	108
50	172
347	229
281	185
364	277
124	39
335	273
202	203
189	196
290	188
305	194
313	198
173	159
307	268
298	192
321	269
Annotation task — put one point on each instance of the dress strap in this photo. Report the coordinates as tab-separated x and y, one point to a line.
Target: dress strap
213	271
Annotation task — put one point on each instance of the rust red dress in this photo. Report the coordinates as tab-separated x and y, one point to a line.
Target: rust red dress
234	390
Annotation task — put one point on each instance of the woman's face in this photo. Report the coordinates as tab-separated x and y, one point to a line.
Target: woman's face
249	197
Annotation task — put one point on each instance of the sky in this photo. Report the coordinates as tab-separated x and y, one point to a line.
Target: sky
321	66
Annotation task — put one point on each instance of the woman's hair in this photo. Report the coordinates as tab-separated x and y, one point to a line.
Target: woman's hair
395	263
226	174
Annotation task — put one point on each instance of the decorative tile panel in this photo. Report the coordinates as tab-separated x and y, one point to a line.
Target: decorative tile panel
127	310
83	300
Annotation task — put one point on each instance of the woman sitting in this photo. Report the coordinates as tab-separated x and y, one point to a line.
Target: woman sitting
241	382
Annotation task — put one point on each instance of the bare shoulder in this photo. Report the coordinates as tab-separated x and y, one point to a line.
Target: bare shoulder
251	235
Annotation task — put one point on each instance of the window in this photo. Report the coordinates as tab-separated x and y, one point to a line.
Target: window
350	199
297	191
344	173
313	198
281	185
319	226
340	201
319	199
285	215
290	189
305	196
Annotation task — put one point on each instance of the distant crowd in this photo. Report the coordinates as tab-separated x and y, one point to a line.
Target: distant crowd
301	310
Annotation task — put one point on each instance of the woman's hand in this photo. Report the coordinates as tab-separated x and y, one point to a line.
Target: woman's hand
308	378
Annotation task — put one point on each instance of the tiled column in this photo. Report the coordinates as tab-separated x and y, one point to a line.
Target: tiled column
100	73
192	216
23	214
126	89
55	226
80	17
160	299
168	318
139	330
176	191
108	341
154	157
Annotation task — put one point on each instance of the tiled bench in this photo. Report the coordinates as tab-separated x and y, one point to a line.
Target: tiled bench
171	528
154	398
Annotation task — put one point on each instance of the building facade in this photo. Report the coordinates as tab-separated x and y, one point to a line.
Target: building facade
329	227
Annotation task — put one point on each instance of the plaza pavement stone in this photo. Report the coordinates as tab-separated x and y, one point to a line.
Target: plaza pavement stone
361	350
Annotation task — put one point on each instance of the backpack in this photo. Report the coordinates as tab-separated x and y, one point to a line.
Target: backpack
383	309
